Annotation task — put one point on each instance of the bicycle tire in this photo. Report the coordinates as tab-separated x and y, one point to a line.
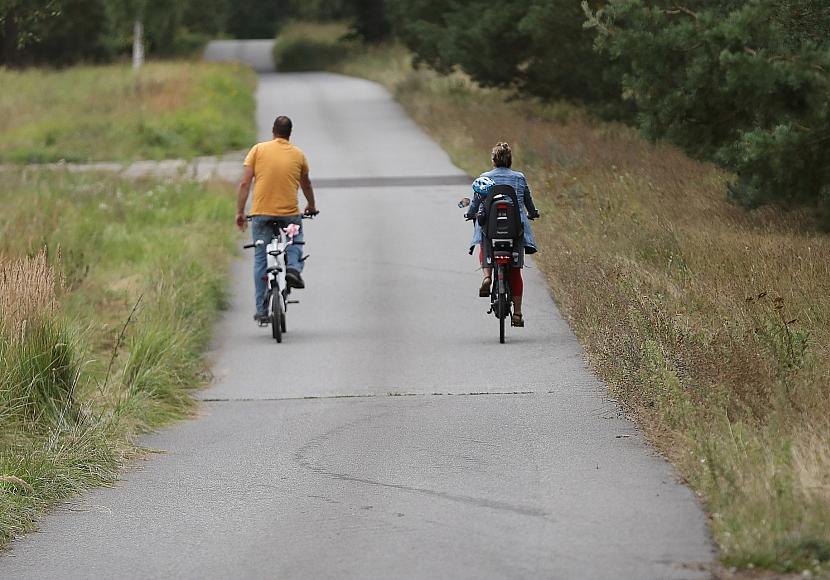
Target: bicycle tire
501	301
501	329
283	323
276	316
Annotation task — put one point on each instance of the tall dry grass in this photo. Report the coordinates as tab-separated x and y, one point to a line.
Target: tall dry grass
28	292
710	323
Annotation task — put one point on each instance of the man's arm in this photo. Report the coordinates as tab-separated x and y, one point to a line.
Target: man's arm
242	197
308	192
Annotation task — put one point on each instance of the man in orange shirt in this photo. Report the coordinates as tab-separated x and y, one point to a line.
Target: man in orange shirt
277	168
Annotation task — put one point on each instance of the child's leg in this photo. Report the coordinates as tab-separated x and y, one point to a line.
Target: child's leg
488	272
517	288
484	290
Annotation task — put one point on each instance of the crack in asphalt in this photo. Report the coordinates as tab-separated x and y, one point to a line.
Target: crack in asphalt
366	396
301	458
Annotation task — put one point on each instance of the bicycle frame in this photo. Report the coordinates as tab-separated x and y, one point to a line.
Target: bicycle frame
275	260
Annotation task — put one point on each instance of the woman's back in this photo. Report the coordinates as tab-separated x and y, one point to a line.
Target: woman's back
506	176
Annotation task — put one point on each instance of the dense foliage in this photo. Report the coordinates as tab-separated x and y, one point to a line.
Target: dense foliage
746	84
62	32
536	46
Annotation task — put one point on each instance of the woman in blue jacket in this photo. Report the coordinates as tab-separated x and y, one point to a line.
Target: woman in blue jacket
502	174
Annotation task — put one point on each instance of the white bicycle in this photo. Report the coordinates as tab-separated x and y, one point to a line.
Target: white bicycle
278	291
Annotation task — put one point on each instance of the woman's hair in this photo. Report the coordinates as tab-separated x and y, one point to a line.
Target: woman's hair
502	155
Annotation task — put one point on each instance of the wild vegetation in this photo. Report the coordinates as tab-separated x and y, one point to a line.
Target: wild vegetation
742	84
708	321
174	109
108	290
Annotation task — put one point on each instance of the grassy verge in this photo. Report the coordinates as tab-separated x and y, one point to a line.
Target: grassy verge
305	46
710	323
108	290
177	109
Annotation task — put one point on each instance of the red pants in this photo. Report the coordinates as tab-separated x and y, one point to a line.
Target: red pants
517	285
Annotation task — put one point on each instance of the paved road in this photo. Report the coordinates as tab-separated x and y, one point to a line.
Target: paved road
255	53
390	435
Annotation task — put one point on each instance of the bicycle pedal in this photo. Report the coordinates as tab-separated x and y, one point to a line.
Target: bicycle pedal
292	301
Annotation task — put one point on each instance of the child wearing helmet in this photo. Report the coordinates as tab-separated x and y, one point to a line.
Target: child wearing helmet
502	174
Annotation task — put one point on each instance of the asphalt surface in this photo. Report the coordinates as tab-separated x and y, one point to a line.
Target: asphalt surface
390	435
255	53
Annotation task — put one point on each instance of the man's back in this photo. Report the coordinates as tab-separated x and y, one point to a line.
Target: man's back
278	168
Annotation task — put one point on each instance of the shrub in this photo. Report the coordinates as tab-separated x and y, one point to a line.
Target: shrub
306	46
40	366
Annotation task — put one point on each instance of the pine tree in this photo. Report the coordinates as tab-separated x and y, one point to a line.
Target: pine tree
746	84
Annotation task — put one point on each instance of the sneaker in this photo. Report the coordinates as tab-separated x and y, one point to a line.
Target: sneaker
293	278
262	319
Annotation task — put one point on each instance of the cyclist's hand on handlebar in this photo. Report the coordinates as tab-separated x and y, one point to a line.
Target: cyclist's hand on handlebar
311	210
241	222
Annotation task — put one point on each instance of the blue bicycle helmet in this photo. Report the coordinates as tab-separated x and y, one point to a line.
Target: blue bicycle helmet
483	184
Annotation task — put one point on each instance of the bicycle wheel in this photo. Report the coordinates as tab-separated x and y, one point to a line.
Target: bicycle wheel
277	315
501	327
284	314
501	302
267	302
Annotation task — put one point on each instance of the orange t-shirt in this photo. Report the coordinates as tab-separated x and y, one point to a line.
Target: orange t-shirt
278	166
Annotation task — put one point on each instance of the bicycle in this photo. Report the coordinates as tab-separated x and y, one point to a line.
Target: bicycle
278	290
502	253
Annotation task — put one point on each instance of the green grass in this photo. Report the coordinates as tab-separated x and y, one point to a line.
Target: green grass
710	323
108	291
307	46
102	113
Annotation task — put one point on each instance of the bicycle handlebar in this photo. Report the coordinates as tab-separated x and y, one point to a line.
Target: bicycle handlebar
304	216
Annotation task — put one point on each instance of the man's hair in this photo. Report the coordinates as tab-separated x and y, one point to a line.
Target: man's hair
502	155
282	127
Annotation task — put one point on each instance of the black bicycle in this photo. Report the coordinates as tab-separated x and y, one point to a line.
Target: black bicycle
501	243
